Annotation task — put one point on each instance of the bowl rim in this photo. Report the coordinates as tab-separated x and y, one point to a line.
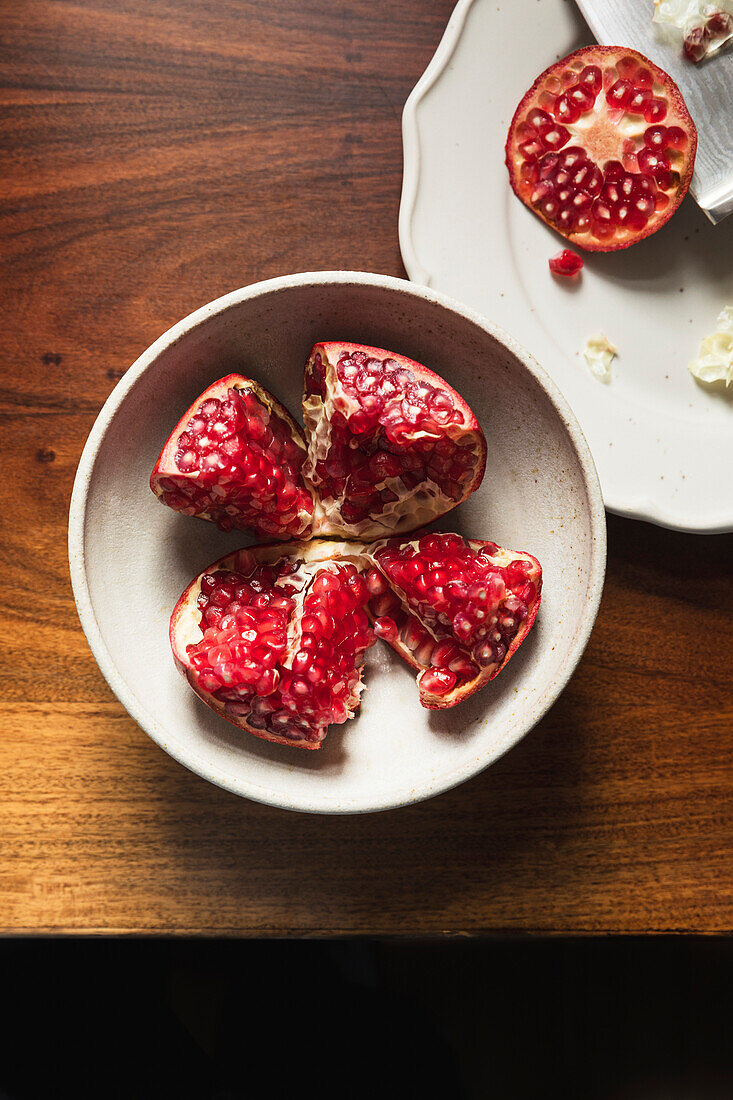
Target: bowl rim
196	761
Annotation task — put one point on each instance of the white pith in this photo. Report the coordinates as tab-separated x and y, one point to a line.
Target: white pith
714	360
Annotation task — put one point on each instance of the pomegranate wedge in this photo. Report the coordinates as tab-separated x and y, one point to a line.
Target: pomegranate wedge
602	147
273	638
236	458
454	608
391	445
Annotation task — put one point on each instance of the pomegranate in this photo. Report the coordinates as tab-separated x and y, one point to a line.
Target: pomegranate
602	147
273	638
236	458
454	608
565	263
390	446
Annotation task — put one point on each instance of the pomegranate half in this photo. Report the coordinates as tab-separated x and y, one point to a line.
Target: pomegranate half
388	447
273	638
602	147
455	609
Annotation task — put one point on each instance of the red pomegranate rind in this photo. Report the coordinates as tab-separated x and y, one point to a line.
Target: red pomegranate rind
602	147
273	638
454	608
236	458
565	263
391	445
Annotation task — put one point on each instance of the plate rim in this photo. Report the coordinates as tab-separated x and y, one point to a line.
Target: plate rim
640	506
194	761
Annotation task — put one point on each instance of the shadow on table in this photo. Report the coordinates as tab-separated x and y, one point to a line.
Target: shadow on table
607	1019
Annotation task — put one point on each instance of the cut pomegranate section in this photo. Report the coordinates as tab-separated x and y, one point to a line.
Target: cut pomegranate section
236	458
391	445
602	147
273	638
454	608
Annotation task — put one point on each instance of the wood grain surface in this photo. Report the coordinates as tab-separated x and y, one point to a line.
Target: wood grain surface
152	157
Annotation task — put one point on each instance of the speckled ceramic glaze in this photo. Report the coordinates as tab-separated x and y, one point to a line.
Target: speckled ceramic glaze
131	557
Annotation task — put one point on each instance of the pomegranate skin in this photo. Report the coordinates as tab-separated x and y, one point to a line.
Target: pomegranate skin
603	148
289	560
418	651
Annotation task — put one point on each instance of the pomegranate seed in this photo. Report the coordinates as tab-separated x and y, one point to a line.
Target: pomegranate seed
385	628
208	680
676	138
302	660
619	95
437	681
565	263
655	110
694	43
719	23
463	667
383	605
424	652
443	654
537	118
566	111
591	78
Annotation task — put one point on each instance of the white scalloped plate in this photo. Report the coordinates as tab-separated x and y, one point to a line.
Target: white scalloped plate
663	443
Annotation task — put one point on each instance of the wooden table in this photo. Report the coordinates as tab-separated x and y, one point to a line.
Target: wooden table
154	156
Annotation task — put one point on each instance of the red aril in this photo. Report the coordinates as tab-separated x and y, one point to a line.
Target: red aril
236	458
390	444
456	609
273	638
565	263
602	147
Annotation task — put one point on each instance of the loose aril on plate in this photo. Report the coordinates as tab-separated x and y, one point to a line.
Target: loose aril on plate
388	446
602	147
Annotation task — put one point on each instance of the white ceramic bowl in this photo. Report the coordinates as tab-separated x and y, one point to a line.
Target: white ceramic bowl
131	557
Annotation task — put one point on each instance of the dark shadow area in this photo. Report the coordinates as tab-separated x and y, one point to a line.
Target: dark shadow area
461	1019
